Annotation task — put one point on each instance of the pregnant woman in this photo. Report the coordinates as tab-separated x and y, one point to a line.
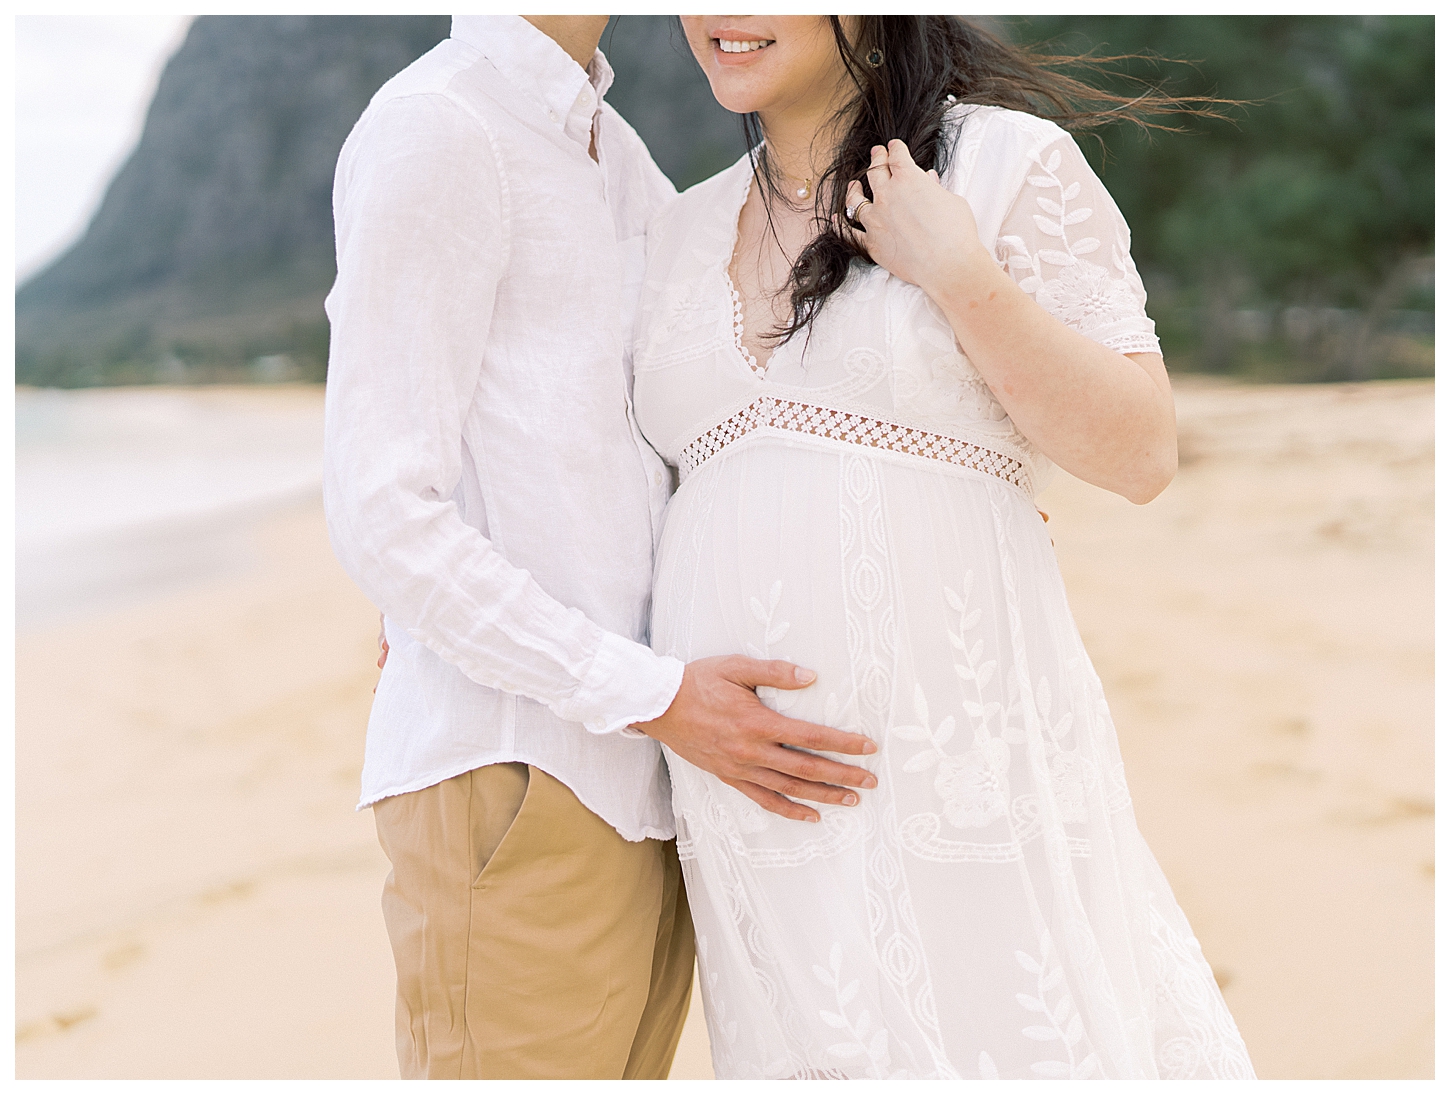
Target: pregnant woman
862	399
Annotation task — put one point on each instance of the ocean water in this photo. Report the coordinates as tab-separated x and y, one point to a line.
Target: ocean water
123	492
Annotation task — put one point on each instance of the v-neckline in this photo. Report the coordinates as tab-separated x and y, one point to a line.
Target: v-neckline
735	300
737	323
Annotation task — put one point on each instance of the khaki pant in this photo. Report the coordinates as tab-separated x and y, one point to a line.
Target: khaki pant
532	941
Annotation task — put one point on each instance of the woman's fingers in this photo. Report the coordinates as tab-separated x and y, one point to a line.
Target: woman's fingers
898	157
890	162
880	162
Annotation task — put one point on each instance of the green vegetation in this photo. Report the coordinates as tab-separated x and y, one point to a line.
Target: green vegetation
1296	240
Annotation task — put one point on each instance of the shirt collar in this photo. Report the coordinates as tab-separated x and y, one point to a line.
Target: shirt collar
536	64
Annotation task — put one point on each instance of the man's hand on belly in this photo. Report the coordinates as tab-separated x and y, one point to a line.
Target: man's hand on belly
718	724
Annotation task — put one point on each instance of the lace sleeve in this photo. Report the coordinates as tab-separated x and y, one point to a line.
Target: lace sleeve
1065	243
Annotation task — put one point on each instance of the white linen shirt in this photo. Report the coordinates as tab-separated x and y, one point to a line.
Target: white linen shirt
485	483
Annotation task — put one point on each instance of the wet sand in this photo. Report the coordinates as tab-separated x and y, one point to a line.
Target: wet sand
197	899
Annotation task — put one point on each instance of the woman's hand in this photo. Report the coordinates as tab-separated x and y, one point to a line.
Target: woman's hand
913	226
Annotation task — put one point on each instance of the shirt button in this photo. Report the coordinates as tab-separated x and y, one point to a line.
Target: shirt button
553	117
659	479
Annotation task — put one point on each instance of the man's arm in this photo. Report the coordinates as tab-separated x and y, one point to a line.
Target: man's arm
422	224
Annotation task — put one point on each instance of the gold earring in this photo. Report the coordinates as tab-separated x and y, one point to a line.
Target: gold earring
874	58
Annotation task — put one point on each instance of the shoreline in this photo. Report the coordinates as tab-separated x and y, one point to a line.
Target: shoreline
128	493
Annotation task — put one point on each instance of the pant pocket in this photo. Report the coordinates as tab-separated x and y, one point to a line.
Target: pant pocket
497	797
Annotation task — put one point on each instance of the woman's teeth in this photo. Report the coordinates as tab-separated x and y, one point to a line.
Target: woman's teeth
727	46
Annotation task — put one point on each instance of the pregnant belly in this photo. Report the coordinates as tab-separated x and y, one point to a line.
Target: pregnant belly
902	589
931	609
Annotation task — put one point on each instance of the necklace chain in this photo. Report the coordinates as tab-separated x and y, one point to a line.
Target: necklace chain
805	190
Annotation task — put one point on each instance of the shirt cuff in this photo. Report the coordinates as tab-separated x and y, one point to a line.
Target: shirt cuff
627	683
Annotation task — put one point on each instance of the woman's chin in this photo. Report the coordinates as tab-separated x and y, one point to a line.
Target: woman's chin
734	98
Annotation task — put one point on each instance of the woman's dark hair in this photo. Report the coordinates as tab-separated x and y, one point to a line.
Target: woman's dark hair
928	63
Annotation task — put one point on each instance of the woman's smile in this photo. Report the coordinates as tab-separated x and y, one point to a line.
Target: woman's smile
734	45
738	47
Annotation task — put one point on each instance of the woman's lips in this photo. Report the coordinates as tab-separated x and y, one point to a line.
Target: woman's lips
732	50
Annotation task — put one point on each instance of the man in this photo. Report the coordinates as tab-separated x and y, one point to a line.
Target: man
486	486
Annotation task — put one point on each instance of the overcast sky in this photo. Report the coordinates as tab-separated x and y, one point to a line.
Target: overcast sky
82	85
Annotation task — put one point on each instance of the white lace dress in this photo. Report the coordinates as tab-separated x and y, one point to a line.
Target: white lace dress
861	504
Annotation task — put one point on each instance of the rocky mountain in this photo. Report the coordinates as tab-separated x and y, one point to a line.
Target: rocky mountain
212	249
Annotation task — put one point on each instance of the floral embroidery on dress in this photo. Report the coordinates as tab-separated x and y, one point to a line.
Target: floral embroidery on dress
860	1039
1067	787
682	306
1082	294
1014	250
1086	297
1072	773
971	784
774	632
971	787
1057	1023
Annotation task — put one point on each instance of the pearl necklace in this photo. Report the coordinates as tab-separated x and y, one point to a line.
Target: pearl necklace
805	190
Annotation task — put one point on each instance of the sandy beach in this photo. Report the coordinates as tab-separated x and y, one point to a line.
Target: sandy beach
196	898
